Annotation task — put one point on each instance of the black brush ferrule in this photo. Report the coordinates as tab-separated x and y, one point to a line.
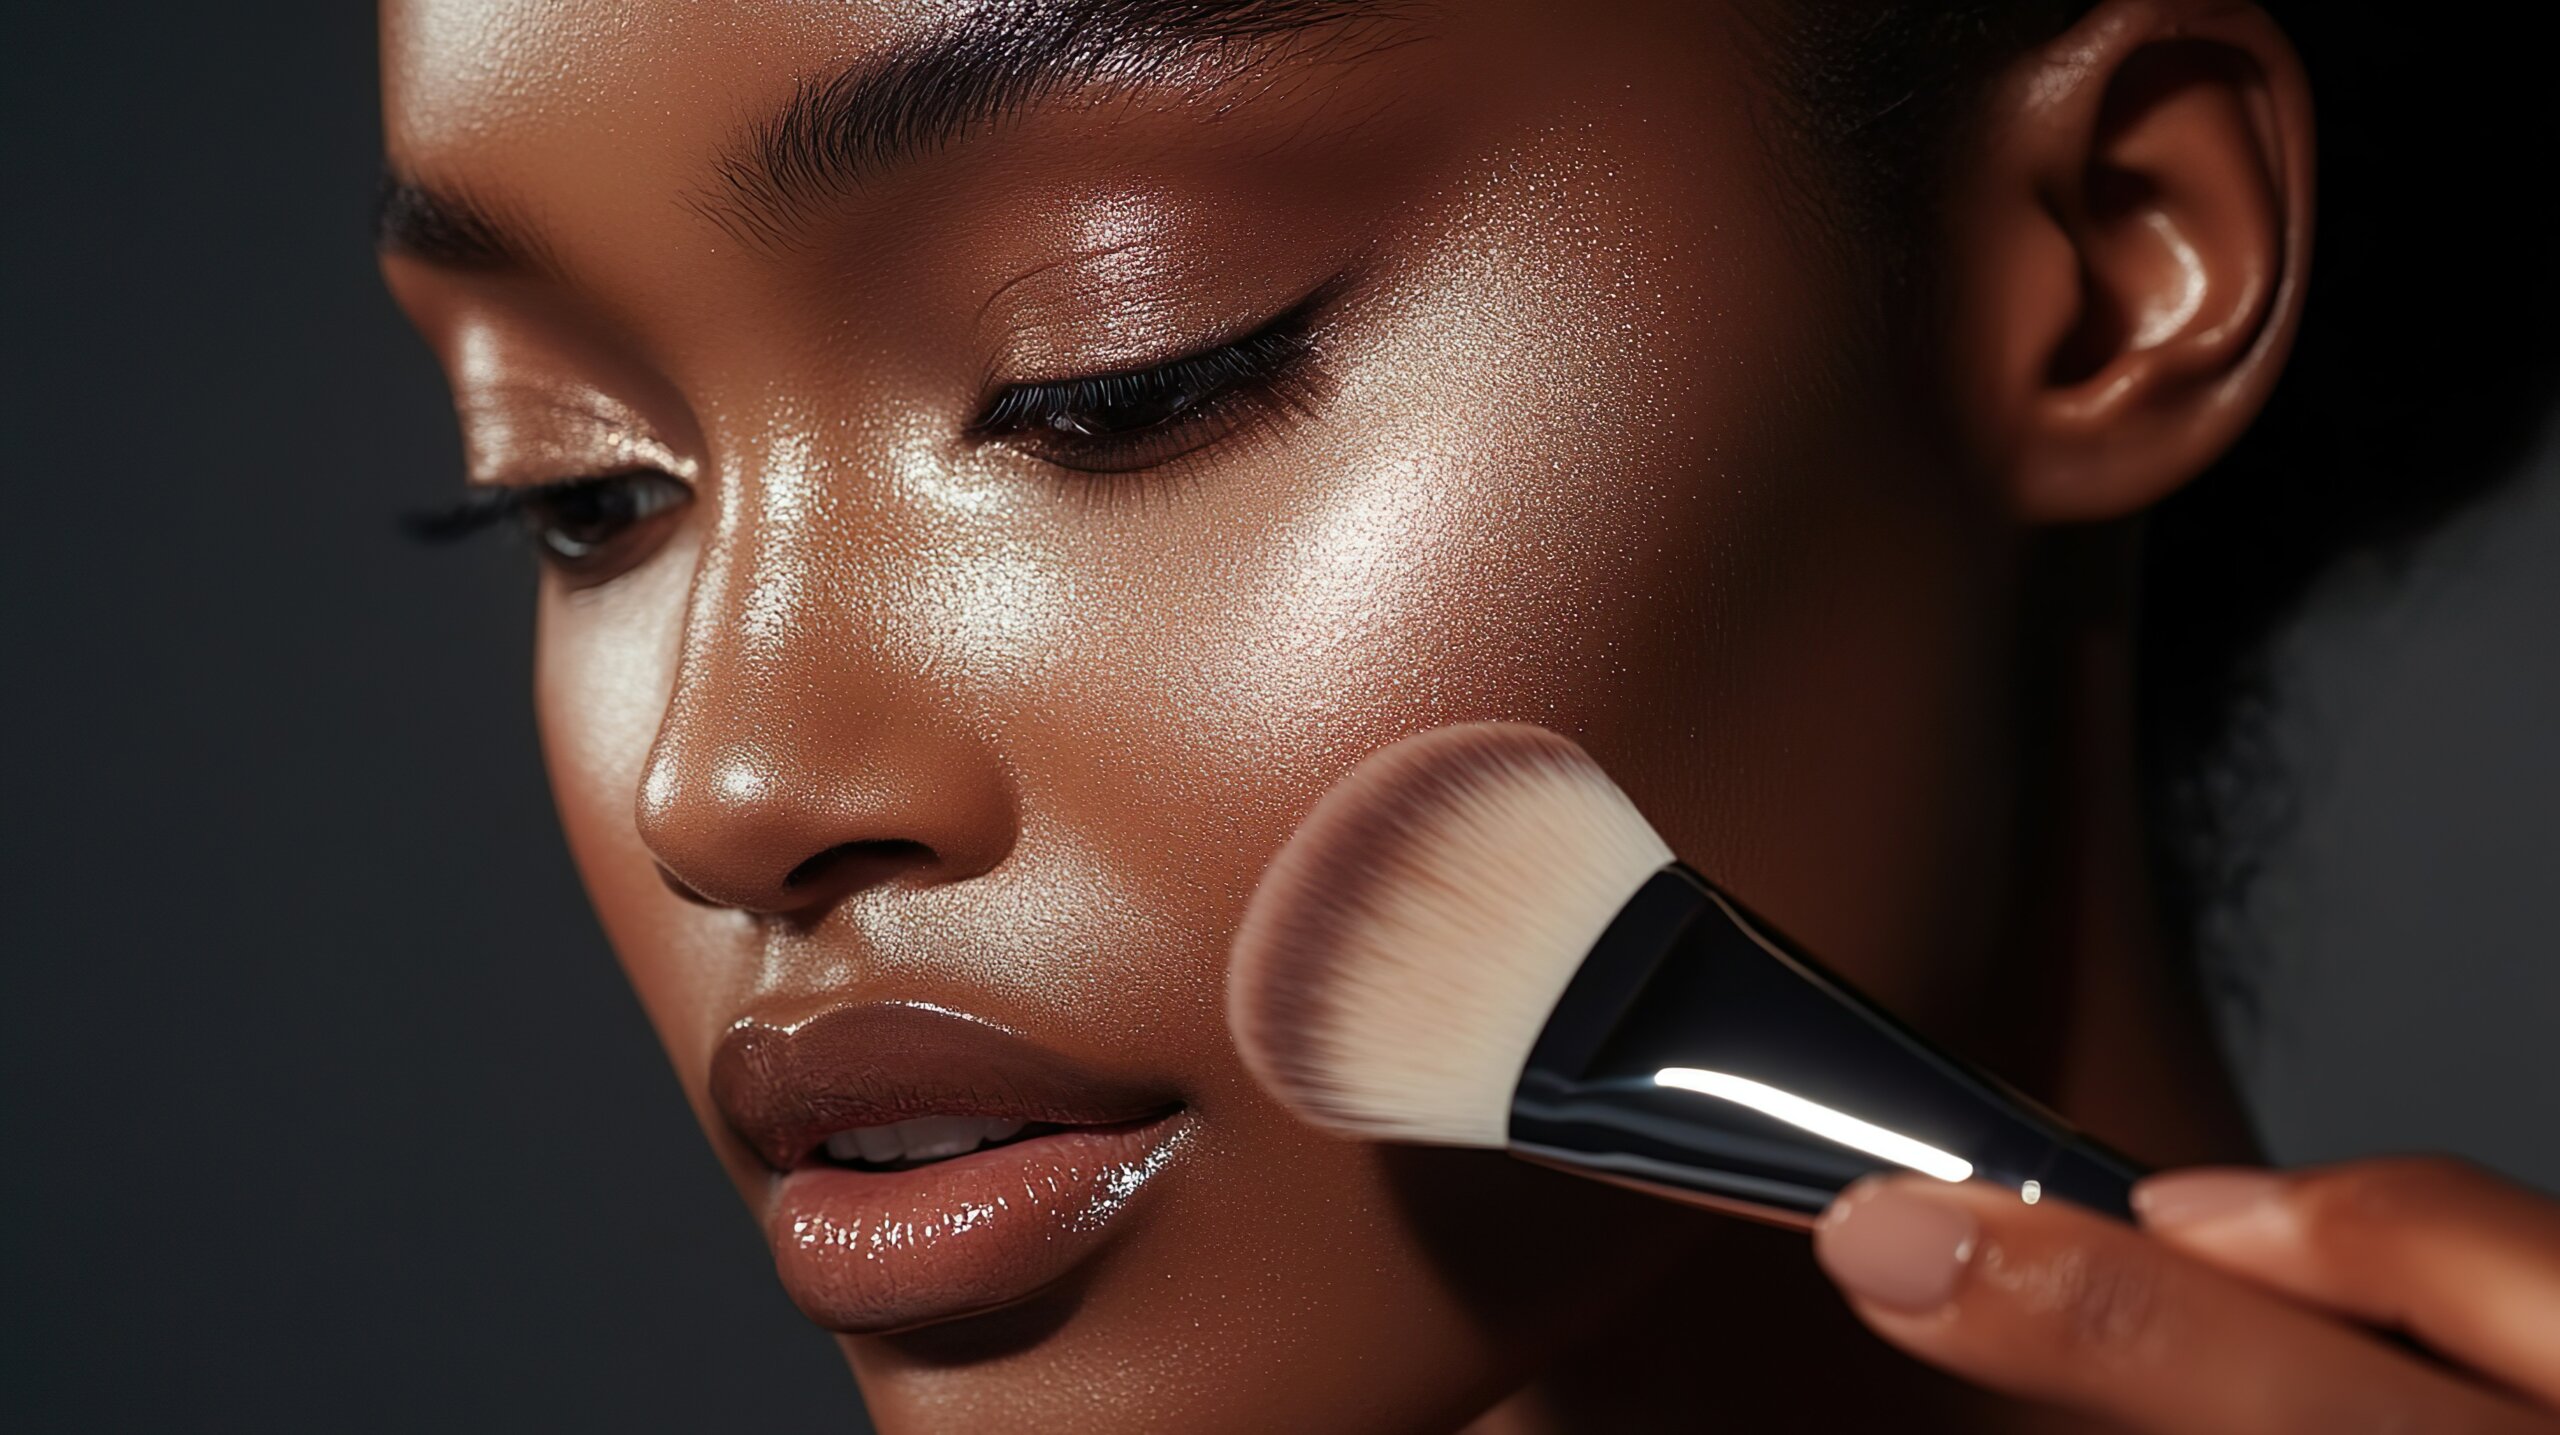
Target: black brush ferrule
1686	981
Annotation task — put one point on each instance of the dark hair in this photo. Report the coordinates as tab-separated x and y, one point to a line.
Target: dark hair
2421	376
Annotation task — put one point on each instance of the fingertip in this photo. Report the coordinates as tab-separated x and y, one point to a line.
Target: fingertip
1851	1196
2207	1197
1899	1244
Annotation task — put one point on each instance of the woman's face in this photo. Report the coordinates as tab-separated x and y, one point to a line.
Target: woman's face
921	711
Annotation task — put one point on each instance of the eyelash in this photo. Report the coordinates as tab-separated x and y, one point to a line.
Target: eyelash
1175	409
1180	407
550	513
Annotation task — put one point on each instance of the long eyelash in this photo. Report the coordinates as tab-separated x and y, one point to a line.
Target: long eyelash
485	508
1258	358
1262	358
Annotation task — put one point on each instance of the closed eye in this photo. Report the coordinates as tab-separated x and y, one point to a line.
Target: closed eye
1140	418
589	527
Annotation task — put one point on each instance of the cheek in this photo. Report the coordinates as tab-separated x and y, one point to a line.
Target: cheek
1490	515
1618	488
604	665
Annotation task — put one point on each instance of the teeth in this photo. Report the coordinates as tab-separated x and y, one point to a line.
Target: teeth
926	1138
934	1138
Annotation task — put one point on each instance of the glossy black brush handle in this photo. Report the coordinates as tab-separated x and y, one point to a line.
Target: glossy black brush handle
1685	979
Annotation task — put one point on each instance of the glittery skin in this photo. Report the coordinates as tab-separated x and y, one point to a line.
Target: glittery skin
1596	441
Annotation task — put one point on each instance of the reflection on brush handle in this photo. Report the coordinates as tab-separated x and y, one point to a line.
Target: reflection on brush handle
1698	1052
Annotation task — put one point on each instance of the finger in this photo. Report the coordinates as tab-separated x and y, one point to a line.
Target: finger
2056	1304
2466	1263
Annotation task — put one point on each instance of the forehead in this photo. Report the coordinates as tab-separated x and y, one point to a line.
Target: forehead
480	78
584	108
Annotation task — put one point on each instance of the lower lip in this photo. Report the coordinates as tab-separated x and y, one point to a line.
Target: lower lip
869	1252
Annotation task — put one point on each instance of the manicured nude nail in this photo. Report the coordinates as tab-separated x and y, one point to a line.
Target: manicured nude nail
1888	1243
2193	1198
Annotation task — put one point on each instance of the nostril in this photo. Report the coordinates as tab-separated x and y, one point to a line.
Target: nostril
852	866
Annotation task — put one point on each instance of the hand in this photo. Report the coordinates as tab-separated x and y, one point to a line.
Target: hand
2247	1303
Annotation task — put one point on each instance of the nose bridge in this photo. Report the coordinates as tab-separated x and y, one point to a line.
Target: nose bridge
806	744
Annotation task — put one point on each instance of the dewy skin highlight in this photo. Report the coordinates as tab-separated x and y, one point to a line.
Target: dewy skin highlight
960	609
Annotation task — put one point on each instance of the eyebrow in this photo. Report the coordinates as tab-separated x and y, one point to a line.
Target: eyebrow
837	133
998	60
446	227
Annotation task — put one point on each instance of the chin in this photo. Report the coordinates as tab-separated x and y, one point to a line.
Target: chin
1395	1297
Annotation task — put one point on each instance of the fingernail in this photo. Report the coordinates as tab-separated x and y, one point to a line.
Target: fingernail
1888	1243
2192	1198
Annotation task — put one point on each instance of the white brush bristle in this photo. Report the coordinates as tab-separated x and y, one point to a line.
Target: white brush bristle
1404	951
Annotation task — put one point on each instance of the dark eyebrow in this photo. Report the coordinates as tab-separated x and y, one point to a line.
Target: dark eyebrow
444	227
996	60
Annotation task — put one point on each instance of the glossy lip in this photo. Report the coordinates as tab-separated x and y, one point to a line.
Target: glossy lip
876	1251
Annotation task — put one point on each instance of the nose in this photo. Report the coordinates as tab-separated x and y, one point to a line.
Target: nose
802	761
789	819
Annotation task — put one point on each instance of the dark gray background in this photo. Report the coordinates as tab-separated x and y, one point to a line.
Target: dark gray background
325	1107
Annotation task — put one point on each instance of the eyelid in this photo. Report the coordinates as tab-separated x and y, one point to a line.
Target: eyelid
1249	360
522	431
1017	400
489	505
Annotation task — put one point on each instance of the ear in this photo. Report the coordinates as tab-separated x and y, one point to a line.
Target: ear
2128	250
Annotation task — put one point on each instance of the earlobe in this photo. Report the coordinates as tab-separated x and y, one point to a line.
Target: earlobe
2132	255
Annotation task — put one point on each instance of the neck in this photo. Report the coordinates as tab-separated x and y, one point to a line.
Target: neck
2133	1058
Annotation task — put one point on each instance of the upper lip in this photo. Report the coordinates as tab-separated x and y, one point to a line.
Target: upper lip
784	1089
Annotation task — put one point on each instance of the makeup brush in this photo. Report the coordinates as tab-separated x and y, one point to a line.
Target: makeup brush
1476	939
